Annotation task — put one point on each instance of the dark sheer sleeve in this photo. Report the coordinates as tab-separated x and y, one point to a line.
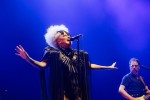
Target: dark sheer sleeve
86	76
52	85
46	55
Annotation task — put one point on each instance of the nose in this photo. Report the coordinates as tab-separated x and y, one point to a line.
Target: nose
133	66
68	36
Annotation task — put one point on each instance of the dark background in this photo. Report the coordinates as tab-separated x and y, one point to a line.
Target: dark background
113	31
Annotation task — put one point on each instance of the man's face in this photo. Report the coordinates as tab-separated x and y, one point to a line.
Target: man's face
63	40
134	67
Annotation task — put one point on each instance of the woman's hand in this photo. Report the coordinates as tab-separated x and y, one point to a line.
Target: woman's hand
113	66
21	52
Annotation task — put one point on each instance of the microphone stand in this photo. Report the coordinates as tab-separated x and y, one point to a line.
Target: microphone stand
78	64
147	68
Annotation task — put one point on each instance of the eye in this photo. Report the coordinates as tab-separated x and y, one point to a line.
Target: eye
135	65
65	35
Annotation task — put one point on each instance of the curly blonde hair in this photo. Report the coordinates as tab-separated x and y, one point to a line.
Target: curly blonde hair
52	34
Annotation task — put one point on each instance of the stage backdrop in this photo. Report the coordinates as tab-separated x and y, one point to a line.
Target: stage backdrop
113	31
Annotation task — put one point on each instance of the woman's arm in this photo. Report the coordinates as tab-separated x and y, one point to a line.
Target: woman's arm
24	55
95	66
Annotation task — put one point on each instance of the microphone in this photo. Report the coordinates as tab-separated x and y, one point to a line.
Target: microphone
142	66
75	37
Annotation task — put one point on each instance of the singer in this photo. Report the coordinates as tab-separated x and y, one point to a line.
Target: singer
133	86
68	80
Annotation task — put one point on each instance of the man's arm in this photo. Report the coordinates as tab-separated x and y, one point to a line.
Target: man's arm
147	90
125	94
146	87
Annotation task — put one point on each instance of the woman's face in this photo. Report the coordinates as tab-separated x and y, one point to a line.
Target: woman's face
64	40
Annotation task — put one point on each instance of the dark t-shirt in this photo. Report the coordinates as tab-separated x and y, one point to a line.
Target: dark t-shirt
133	85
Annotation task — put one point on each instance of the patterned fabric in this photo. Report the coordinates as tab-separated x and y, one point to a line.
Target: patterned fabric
67	76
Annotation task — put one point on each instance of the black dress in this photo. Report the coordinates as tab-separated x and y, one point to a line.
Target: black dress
66	76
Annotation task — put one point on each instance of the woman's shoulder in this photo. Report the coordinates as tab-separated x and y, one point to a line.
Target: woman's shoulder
51	49
81	51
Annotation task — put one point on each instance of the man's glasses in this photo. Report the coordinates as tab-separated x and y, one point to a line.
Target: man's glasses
134	66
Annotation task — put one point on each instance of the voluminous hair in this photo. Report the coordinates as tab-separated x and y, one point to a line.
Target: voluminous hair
51	34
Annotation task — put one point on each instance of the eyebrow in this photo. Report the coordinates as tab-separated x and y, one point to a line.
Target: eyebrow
134	65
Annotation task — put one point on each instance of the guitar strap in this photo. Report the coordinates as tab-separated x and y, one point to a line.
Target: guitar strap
142	81
147	95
